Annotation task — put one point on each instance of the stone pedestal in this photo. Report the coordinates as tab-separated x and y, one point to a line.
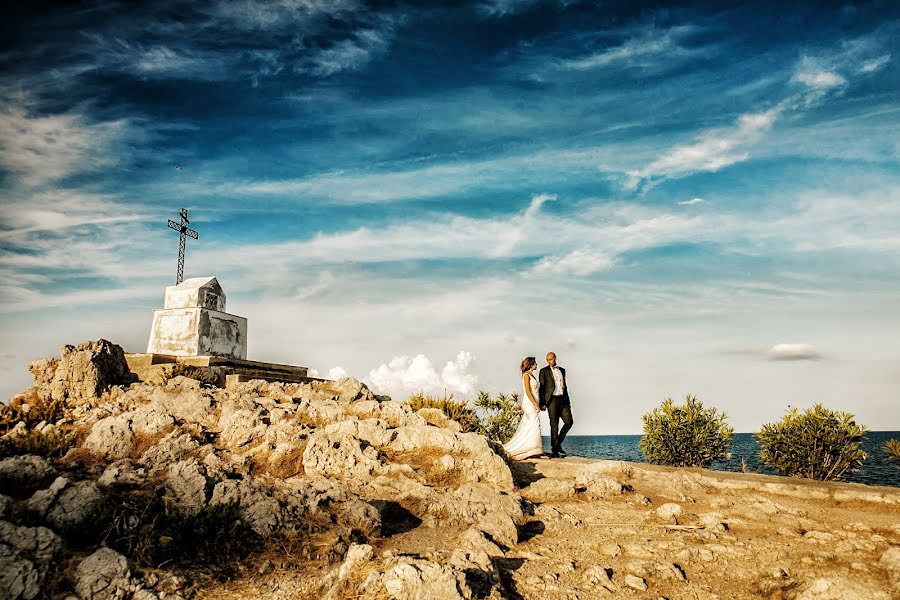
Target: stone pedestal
194	322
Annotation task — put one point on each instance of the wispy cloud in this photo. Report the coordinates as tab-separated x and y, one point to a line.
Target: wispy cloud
810	73
643	50
577	263
691	202
40	148
713	149
875	64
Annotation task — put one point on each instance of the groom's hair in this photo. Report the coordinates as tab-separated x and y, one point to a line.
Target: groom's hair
527	362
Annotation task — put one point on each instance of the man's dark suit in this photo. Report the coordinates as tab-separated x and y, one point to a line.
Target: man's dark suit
557	407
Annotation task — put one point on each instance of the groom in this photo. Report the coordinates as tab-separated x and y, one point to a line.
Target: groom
554	396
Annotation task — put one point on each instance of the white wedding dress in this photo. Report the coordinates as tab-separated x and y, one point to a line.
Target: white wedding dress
527	439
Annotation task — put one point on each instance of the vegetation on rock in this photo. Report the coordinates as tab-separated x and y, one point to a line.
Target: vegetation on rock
817	443
458	410
687	435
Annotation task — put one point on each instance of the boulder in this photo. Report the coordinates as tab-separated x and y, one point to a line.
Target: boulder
26	554
23	474
189	485
111	438
85	371
414	579
19	578
70	508
103	575
547	489
668	512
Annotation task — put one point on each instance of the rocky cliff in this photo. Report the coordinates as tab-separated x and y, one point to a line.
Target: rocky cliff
111	488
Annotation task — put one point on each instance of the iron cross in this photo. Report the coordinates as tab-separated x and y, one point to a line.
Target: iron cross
185	231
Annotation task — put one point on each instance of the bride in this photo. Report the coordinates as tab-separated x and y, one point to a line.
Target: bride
526	442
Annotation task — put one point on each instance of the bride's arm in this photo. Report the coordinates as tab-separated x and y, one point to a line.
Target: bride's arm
526	383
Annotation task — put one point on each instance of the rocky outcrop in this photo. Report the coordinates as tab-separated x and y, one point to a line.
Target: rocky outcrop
341	493
82	372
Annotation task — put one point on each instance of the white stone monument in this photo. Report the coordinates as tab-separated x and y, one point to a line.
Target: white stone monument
194	322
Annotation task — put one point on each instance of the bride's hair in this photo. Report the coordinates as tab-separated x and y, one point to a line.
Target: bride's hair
527	363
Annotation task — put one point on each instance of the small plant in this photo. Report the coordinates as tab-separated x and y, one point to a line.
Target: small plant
458	410
891	449
50	443
501	415
30	408
687	435
817	443
152	532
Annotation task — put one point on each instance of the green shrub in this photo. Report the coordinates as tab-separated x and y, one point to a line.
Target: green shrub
32	408
816	444
687	435
458	410
891	448
501	415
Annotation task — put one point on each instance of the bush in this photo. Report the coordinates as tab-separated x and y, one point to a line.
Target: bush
458	410
501	415
891	448
816	444
685	436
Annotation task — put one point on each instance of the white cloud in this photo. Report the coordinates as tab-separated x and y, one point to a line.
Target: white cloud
578	263
337	372
642	50
820	79
691	202
793	352
714	149
876	64
43	148
403	376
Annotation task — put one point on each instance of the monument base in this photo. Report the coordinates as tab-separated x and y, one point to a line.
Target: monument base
155	368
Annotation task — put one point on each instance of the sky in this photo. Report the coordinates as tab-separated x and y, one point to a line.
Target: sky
697	200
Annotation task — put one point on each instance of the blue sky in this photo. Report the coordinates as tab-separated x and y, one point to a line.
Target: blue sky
701	199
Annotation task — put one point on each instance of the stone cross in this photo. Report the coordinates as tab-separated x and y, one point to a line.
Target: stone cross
184	231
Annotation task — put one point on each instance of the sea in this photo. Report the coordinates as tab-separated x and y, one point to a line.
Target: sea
876	469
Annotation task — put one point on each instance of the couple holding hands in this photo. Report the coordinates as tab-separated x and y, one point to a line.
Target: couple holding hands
547	392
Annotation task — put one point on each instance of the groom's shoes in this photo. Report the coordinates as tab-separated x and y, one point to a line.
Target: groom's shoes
554	455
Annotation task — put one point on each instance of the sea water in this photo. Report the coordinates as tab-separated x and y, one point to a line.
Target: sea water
876	469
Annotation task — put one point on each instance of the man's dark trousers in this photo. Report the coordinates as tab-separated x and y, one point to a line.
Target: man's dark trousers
558	408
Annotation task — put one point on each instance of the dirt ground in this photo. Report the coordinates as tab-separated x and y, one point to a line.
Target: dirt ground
730	536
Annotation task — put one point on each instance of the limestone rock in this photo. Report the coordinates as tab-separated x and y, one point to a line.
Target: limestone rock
668	512
546	489
190	487
437	417
111	438
85	371
839	588
103	575
72	507
594	576
415	579
350	390
636	582
26	554
339	455
19	578
122	473
23	474
600	485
